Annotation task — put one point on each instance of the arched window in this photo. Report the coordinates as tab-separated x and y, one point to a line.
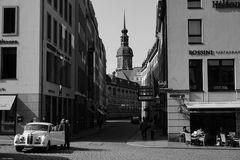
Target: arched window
114	91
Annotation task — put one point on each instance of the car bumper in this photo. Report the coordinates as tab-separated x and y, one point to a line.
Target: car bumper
29	145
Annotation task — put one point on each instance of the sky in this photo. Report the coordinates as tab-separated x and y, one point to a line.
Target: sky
140	18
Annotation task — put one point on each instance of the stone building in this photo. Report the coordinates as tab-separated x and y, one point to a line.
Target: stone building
199	61
52	60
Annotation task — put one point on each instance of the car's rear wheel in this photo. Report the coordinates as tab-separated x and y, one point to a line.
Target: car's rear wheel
19	149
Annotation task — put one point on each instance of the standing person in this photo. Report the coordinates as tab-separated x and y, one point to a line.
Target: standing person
61	126
67	134
100	122
152	129
34	119
143	128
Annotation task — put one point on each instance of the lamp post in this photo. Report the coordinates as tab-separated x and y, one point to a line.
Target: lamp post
157	99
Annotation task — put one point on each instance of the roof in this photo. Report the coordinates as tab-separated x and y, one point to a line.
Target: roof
125	51
128	74
113	80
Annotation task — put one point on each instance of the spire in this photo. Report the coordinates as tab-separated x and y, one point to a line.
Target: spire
124	27
124	31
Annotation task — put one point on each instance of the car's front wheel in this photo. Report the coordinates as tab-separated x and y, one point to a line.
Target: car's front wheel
19	149
47	147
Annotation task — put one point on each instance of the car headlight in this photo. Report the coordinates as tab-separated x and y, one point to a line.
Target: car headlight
43	139
17	138
38	140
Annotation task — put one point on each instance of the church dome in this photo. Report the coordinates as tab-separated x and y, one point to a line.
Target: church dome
125	51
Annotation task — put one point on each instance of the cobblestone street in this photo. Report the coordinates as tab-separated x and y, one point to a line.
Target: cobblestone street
110	144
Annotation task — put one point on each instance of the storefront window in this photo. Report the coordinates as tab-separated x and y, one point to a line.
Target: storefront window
221	75
195	75
7	119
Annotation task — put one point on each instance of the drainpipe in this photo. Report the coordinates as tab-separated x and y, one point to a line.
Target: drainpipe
41	57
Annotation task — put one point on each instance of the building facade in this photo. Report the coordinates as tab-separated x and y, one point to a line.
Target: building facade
45	62
122	98
153	89
202	65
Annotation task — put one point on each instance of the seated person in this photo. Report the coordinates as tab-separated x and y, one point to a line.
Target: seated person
185	129
183	133
218	137
198	133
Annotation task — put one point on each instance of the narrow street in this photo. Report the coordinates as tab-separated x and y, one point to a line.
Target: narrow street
109	143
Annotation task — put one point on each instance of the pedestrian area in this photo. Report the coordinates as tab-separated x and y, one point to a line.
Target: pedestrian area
162	142
136	140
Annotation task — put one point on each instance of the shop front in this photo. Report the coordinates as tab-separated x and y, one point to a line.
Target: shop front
7	114
210	117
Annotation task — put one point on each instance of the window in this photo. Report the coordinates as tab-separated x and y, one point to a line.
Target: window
60	36
70	14
114	91
61	8
195	75
55	4
55	32
220	75
50	63
65	10
49	27
56	70
10	20
65	40
68	75
194	4
70	44
194	31
9	63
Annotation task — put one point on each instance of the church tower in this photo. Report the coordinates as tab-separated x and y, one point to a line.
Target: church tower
124	53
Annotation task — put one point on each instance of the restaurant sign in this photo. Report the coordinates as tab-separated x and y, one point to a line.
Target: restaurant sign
2	41
212	52
226	4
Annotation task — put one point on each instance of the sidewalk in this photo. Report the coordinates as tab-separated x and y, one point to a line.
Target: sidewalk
6	139
162	142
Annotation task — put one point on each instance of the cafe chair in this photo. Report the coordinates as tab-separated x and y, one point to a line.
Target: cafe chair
202	140
223	140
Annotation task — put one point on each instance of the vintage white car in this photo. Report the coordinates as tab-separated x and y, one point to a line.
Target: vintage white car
39	134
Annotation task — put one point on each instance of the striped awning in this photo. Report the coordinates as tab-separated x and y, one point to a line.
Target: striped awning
6	102
213	105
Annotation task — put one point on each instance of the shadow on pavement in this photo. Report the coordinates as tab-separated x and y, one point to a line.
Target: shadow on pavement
59	150
16	156
116	131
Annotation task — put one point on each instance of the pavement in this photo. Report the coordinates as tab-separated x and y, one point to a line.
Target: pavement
136	140
162	142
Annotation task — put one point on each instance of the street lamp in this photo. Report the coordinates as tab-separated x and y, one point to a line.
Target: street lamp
157	99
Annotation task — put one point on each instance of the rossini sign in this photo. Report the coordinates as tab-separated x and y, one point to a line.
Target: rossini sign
212	52
2	41
226	4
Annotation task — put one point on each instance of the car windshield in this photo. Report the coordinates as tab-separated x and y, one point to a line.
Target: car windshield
36	127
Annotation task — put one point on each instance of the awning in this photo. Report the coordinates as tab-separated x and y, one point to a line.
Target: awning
6	102
101	111
213	105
